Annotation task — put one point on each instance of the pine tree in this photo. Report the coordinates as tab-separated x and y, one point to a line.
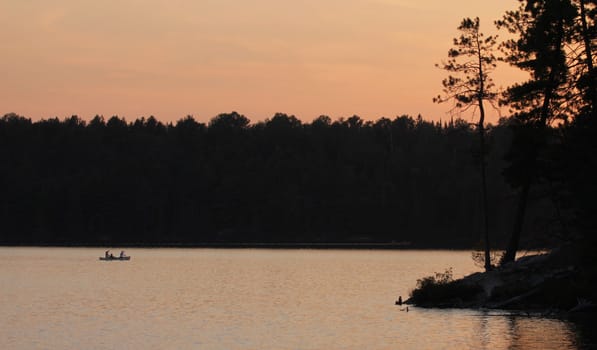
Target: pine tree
469	85
543	30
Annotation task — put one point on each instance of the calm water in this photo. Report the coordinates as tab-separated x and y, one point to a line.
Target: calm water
246	299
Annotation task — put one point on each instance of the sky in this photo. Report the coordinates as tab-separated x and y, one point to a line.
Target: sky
173	58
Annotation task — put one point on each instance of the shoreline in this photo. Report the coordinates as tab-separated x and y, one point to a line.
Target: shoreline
547	283
348	246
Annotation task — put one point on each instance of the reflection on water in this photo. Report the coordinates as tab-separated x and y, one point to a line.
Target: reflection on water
246	299
506	331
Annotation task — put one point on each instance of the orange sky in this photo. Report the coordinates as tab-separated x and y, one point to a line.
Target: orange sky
171	58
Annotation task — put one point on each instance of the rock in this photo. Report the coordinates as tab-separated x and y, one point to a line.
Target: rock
538	282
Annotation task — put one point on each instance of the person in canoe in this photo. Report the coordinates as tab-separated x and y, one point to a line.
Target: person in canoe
122	254
107	254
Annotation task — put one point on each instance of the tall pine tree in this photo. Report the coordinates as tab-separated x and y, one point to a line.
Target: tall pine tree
469	85
543	31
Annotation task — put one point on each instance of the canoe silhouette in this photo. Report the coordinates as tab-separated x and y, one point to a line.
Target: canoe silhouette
103	258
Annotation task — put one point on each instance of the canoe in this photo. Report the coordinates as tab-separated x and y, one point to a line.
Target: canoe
103	258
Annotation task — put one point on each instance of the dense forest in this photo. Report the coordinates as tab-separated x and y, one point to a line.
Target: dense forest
230	181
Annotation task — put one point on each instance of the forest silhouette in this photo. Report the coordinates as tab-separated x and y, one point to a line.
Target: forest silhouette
230	181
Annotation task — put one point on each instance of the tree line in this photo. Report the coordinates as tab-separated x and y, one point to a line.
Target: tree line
232	181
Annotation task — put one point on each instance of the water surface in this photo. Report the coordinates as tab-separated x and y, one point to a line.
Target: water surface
65	298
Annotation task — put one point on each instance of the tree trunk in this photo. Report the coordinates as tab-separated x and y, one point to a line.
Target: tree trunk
481	128
512	248
488	266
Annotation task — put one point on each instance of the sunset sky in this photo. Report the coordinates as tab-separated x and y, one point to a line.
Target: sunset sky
172	58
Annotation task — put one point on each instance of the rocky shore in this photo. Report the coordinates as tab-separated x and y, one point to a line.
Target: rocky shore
552	282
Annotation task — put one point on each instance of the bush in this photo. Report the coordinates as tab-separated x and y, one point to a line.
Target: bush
442	290
478	256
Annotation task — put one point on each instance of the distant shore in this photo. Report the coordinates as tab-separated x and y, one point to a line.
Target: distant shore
381	246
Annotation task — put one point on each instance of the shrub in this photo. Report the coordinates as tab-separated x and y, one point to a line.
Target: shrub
478	257
442	290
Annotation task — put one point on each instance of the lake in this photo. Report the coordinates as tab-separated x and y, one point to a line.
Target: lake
65	298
